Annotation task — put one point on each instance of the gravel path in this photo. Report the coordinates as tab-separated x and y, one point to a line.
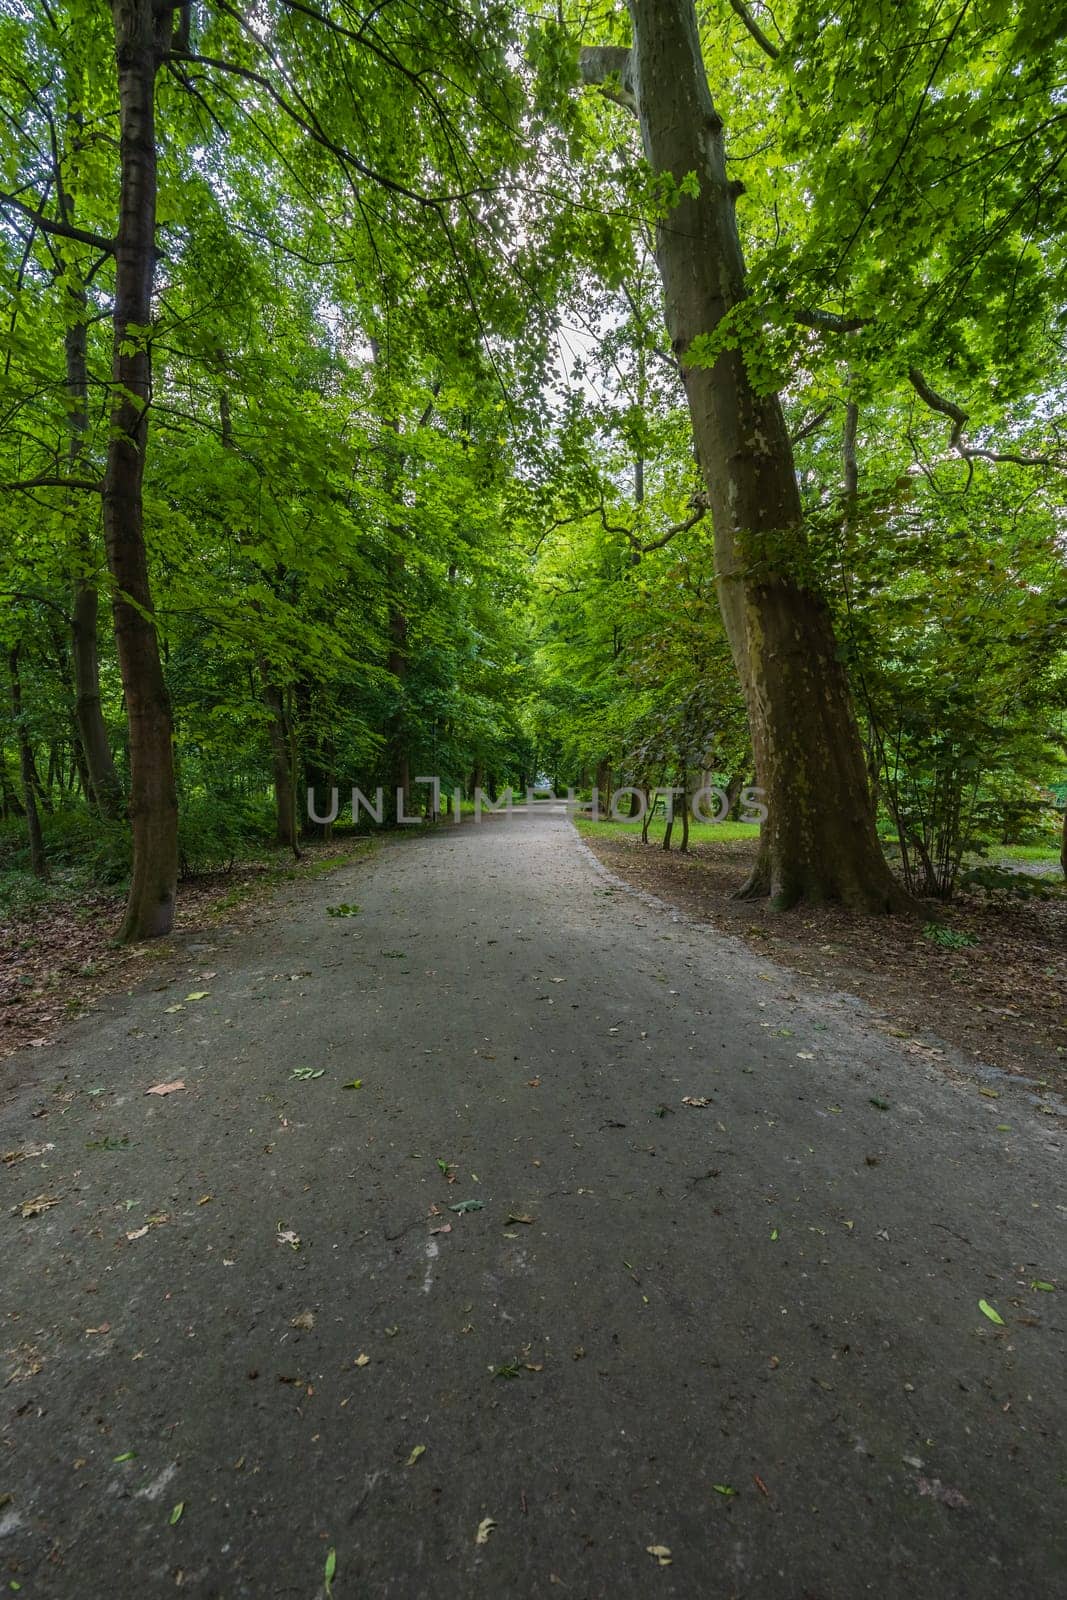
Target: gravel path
745	1332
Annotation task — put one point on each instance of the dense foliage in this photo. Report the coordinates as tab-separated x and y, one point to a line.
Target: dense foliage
420	494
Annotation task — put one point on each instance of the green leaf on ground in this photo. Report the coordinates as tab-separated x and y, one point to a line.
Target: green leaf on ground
127	1455
1046	1288
724	1488
305	1073
342	910
330	1570
468	1205
418	1452
176	1514
988	1311
356	1083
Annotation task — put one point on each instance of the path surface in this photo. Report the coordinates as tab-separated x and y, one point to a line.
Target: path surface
776	1293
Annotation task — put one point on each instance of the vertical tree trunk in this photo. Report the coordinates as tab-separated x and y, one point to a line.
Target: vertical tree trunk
819	839
399	761
28	772
104	787
141	33
282	743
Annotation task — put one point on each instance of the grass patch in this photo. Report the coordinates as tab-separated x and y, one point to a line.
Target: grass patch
699	832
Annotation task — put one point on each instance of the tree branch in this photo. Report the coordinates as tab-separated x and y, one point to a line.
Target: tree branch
93	487
959	419
609	67
741	10
830	321
64	230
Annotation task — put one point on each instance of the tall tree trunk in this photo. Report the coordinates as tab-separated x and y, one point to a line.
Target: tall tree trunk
282	747
105	790
399	761
819	840
141	35
28	772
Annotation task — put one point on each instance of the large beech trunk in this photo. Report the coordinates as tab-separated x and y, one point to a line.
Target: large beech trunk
819	840
141	34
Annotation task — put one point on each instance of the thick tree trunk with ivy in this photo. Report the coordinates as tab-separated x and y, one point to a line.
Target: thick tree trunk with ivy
141	35
819	840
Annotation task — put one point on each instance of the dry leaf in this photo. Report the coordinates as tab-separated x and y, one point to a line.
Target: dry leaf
198	994
361	1360
939	1491
698	1100
305	1321
167	1088
661	1552
514	1216
445	1228
485	1528
138	1233
39	1203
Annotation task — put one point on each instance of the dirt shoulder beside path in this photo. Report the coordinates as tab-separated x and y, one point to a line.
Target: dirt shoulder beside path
60	958
1001	1000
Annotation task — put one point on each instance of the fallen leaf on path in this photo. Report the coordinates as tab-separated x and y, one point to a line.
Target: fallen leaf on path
361	1360
287	1236
170	1009
468	1205
356	1083
661	1552
416	1454
936	1490
127	1455
176	1514
305	1321
138	1233
105	1327
805	1055
167	1088
698	1100
305	1073
41	1203
485	1528
198	994
1039	1283
760	1485
446	1227
329	1572
514	1217
533	1083
724	1488
989	1311
27	1152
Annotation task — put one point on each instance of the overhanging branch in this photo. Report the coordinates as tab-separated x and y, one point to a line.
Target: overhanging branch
63	230
609	67
741	10
959	419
